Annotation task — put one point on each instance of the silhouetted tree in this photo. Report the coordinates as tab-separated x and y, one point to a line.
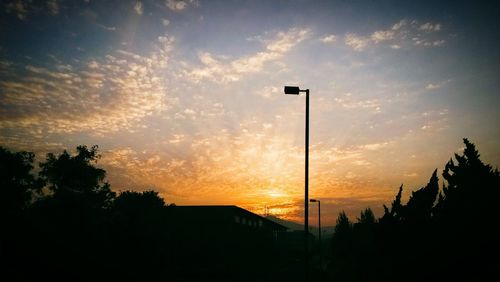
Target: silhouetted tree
132	202
140	230
73	218
367	217
17	183
82	231
467	216
447	235
471	184
364	248
76	177
342	264
17	188
343	227
77	229
421	202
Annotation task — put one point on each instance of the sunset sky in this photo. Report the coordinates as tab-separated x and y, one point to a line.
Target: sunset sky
186	97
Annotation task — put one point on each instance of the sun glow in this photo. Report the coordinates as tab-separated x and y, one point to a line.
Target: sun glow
200	116
276	194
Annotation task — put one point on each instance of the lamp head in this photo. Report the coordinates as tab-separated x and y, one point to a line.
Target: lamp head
313	200
293	90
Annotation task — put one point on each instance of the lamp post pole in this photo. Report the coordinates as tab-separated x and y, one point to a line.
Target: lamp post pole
306	192
320	247
294	90
319	235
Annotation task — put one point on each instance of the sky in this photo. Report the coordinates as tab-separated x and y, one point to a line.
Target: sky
186	97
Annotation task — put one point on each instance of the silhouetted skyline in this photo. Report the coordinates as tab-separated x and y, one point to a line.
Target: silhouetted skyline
185	97
86	231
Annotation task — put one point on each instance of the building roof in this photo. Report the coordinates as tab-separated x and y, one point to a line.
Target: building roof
222	212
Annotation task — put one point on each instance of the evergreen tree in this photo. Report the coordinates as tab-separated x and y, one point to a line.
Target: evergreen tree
421	202
466	214
367	217
472	185
342	248
394	214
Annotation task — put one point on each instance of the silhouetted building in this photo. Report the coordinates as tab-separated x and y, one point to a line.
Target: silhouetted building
210	240
224	218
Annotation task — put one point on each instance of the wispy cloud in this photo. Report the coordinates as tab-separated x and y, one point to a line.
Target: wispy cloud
382	35
356	42
347	101
248	165
268	92
430	27
104	95
108	28
224	71
19	7
179	5
329	39
24	8
399	25
138	8
53	7
401	34
432	86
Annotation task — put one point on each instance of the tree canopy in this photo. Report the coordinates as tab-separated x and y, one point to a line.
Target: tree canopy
445	234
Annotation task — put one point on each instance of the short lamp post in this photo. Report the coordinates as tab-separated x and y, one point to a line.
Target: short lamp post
295	90
319	230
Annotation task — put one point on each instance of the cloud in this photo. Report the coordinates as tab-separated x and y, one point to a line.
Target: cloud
431	86
434	86
138	8
401	34
348	102
430	122
417	41
165	22
189	113
329	39
268	92
399	25
382	35
179	5
285	41
357	43
177	139
53	7
19	7
23	8
430	27
250	166
361	162
104	95
267	125
438	42
374	146
220	70
108	28
176	5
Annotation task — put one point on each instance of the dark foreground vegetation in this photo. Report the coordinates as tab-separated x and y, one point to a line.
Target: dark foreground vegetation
65	223
448	234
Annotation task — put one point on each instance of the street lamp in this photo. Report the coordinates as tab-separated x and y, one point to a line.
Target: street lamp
295	90
319	229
